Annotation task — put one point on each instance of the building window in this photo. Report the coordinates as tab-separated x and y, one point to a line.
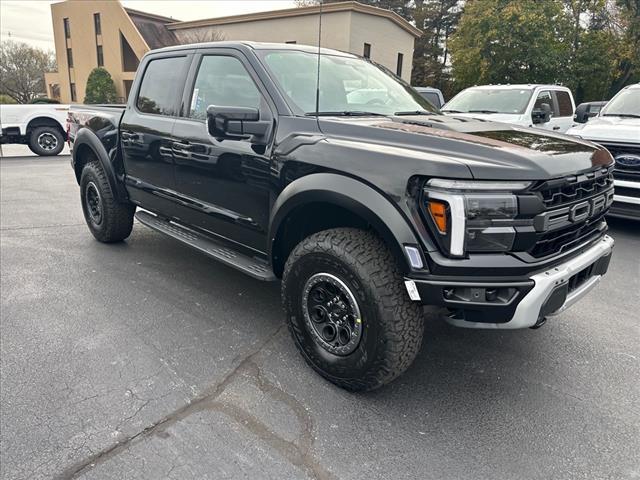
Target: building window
399	65
96	23
73	93
100	56
67	29
291	42
129	59
367	51
69	58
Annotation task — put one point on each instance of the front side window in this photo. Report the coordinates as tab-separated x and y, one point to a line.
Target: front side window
490	100
222	81
545	97
347	84
159	90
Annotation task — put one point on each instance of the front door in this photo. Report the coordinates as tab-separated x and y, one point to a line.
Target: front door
224	182
145	131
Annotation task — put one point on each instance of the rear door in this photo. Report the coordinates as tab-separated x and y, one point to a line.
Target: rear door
565	108
146	128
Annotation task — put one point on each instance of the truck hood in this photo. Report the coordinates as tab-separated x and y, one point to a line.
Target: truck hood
490	150
492	117
612	129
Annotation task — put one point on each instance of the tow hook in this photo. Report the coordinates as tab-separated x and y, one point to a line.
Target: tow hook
541	321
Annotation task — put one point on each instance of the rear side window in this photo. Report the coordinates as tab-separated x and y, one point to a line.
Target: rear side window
161	86
222	81
564	104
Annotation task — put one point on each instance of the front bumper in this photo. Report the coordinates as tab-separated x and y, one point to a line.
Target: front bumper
518	304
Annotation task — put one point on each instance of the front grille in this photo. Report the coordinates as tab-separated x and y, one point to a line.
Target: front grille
564	191
562	240
624	170
575	207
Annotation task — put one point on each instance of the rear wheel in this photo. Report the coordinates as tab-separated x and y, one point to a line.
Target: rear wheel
46	141
348	311
109	220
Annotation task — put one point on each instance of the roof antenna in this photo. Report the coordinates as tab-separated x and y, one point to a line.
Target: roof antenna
318	73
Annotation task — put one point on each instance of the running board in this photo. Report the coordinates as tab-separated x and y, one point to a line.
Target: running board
213	248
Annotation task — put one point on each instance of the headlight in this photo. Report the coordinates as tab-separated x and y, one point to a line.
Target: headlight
472	216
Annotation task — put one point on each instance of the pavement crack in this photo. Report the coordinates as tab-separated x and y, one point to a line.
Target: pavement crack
197	404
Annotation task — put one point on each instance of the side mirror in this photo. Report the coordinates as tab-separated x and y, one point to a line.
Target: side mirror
541	115
236	122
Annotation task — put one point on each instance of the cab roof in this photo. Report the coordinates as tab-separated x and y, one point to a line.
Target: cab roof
255	46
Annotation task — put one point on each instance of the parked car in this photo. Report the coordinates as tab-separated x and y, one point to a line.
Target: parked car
365	212
543	106
586	110
617	127
432	95
40	126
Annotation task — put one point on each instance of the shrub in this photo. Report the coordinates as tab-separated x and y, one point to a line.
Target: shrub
100	87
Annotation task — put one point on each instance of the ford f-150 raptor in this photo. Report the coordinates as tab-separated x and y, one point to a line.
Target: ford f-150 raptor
366	207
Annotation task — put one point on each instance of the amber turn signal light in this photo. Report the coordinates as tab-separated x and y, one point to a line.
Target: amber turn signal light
438	211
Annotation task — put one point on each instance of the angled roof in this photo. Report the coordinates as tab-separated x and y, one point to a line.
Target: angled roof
301	11
153	28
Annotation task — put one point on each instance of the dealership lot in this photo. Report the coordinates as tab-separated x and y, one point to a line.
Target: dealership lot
148	360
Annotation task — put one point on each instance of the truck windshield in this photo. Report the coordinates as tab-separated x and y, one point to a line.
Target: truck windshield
486	100
624	104
348	85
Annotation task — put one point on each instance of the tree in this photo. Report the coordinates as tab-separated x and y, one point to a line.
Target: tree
22	69
200	35
100	87
510	41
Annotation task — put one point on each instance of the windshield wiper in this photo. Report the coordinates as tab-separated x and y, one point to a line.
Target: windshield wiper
345	113
483	111
630	115
451	111
414	112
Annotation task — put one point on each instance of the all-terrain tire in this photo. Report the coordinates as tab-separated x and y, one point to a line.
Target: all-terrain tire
46	141
392	325
109	220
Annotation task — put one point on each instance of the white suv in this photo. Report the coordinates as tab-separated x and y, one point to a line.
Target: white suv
544	106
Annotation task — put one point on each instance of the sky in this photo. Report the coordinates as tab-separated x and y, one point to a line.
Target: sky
30	20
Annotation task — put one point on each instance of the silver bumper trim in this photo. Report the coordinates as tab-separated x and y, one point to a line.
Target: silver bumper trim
528	310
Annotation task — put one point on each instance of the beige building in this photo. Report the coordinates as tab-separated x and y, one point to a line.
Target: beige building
104	33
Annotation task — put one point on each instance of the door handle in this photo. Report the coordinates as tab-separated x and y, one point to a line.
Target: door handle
129	136
556	127
181	146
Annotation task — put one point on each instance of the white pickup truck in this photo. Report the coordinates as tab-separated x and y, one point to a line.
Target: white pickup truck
617	127
41	126
550	107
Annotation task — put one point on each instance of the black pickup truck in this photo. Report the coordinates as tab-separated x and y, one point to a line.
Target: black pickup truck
361	198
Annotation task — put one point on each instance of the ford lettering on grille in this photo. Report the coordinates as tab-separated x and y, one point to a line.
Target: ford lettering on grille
580	212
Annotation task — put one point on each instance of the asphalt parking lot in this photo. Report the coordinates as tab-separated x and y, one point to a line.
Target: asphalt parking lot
146	360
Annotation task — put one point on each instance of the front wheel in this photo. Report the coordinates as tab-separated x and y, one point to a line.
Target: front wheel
348	311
